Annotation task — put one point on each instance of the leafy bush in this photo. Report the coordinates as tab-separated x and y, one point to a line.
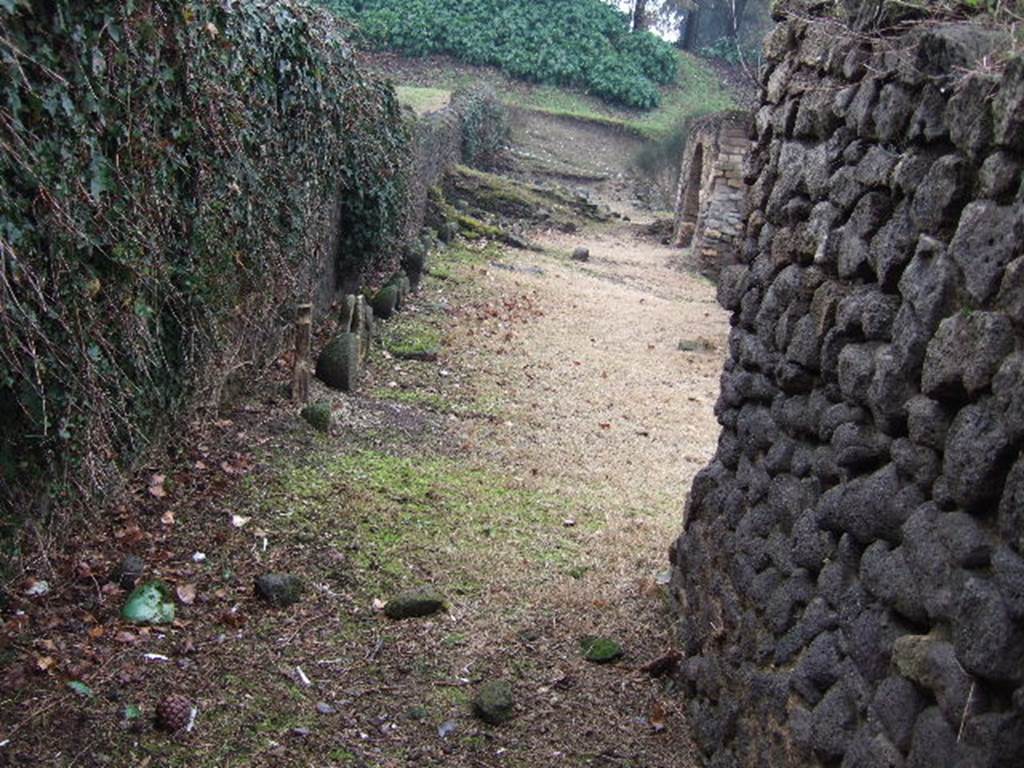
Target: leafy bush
584	43
173	175
485	126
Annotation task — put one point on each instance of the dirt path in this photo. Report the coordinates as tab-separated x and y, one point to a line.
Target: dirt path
534	473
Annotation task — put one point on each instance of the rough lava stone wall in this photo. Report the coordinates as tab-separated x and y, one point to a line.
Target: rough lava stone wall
850	579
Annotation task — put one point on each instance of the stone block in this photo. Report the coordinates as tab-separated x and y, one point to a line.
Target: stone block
969	114
928	422
988	642
1008	107
978	455
965	354
999	176
1011	507
941	194
896	705
934	741
988	238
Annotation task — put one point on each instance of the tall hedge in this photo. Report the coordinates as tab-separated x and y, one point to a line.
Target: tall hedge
584	43
174	174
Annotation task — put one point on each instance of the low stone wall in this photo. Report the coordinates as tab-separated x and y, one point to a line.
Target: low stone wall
849	581
437	147
710	201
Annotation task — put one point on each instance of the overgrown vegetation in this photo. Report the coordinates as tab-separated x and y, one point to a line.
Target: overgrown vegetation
485	126
172	176
584	43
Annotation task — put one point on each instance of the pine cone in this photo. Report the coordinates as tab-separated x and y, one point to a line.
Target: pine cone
174	712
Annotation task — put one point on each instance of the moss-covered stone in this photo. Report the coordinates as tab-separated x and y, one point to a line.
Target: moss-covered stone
385	301
279	589
600	650
319	416
473	229
494	703
414	603
338	365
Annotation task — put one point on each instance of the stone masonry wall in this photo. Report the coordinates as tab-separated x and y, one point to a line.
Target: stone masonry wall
710	202
850	579
437	147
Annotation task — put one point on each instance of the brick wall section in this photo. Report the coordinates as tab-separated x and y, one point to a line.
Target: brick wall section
850	579
710	202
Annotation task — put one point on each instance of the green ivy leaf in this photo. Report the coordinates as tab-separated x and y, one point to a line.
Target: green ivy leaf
81	689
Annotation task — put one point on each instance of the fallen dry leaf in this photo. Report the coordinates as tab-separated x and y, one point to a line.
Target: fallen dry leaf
657	717
97	632
186	593
156	486
45	663
167	518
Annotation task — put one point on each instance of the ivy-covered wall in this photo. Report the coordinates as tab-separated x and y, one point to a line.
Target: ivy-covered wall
176	175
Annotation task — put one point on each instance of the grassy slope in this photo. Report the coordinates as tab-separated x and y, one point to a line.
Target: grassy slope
698	90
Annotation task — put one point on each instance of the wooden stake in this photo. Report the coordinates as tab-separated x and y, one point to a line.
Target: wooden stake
303	340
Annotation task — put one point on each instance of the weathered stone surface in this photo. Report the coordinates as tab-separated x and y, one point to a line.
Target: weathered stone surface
280	589
989	643
1008	572
941	194
897	704
1011	291
338	365
933	743
581	254
928	123
999	176
969	115
886	575
1008	388
1008	107
857	541
965	354
871	750
928	422
833	722
988	238
1011	507
494	703
931	662
977	456
414	603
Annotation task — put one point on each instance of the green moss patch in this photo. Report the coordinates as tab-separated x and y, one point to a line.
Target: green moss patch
411	338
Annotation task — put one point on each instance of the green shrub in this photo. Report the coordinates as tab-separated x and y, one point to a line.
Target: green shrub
583	43
171	175
485	126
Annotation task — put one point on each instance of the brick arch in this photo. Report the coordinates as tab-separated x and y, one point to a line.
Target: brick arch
689	203
711	197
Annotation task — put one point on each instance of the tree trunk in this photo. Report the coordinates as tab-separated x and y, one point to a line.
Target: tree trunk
688	29
639	15
738	8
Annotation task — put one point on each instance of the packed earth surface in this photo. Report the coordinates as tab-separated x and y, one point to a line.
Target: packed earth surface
520	446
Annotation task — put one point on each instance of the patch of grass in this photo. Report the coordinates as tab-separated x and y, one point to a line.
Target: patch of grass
405	514
423	100
407	336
